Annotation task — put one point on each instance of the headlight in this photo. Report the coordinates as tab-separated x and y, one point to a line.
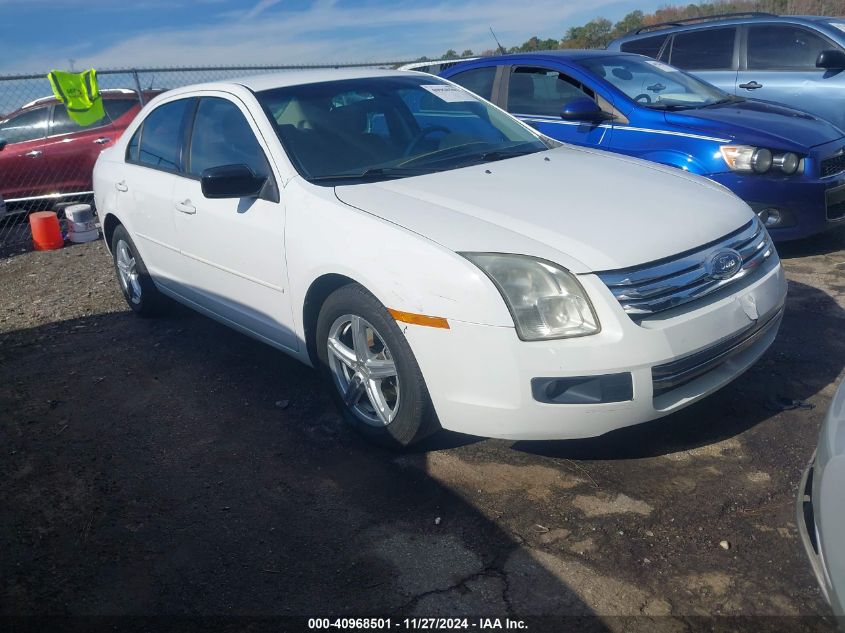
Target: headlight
546	301
787	163
746	158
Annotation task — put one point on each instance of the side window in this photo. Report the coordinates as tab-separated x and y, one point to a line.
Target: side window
649	46
116	108
477	80
777	47
542	91
705	49
222	136
27	126
164	132
63	124
134	145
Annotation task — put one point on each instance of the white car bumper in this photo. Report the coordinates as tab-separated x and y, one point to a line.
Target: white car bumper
484	380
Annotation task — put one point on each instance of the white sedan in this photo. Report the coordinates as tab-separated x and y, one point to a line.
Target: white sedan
440	262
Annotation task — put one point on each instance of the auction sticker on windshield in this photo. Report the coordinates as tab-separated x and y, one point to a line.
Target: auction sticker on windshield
451	94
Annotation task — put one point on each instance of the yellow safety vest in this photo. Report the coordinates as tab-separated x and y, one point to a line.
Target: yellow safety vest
79	93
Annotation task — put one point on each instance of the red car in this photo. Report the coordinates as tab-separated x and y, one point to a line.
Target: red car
45	156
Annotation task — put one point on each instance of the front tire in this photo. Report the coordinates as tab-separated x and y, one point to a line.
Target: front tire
373	375
137	286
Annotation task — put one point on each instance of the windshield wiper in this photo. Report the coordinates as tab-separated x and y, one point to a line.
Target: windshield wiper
374	173
728	99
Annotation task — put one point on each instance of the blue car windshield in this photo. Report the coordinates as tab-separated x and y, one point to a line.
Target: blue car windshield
377	128
654	84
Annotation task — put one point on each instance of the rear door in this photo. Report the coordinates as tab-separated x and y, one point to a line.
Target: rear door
711	54
72	149
145	184
22	160
234	248
780	66
537	94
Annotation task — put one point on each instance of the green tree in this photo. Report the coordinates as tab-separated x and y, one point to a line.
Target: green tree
450	54
467	53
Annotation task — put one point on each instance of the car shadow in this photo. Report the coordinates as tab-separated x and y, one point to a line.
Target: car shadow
809	340
173	466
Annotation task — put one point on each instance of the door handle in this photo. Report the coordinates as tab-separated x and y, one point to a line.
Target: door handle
751	85
186	207
102	140
121	186
34	153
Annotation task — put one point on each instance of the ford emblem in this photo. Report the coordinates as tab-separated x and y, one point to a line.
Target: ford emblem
724	264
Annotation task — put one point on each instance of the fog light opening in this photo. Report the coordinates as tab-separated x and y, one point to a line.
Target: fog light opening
770	217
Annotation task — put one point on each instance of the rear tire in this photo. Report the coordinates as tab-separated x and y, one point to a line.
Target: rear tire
371	370
135	282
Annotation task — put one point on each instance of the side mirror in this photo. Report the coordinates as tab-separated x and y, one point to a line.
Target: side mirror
831	59
2	144
231	181
583	109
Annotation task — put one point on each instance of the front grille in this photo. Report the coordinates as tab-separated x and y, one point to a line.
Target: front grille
833	165
679	372
667	283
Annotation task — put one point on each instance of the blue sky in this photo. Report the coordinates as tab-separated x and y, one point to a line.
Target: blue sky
40	34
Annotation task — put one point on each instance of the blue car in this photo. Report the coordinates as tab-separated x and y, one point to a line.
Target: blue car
798	61
789	166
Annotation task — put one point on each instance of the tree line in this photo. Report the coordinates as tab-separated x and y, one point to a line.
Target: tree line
599	32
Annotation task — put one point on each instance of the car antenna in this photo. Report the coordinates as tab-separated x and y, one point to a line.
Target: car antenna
502	51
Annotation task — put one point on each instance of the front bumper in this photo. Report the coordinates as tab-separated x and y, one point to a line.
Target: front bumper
812	205
807	530
480	377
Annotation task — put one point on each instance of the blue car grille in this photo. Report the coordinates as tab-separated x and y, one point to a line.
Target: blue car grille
646	290
833	165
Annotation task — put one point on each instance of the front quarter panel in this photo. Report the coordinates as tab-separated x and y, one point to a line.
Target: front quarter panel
404	270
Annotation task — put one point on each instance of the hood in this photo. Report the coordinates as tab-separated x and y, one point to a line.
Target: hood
759	123
584	209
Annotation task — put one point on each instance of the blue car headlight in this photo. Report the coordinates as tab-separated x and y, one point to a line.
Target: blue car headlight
758	160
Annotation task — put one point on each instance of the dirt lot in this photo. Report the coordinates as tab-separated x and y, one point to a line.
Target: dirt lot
173	466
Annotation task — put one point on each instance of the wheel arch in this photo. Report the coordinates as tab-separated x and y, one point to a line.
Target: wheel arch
110	223
315	297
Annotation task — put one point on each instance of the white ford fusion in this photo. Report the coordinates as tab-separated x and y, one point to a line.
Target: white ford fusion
440	262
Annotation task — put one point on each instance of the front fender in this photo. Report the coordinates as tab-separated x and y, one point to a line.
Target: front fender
404	270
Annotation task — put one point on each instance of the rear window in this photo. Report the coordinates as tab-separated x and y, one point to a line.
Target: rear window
163	134
477	80
707	49
649	46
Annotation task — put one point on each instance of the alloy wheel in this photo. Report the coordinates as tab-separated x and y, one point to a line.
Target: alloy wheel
364	370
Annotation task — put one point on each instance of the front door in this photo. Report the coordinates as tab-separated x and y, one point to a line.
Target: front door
537	95
781	67
234	248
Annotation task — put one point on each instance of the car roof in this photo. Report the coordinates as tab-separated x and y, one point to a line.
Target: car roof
257	83
573	54
723	20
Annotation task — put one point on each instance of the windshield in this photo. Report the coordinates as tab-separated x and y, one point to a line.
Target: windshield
654	84
376	128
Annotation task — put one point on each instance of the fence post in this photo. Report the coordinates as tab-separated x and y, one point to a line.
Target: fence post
138	87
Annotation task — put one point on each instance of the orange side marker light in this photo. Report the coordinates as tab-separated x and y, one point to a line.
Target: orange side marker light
419	319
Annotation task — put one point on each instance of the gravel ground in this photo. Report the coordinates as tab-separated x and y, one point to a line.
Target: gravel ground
173	466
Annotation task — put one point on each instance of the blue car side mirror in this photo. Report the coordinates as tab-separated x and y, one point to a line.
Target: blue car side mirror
583	109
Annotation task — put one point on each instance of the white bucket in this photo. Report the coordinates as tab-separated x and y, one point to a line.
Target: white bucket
81	226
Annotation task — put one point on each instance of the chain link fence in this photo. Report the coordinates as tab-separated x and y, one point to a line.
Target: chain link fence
46	159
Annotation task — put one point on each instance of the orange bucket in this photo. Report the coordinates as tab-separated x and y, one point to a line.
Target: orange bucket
46	232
